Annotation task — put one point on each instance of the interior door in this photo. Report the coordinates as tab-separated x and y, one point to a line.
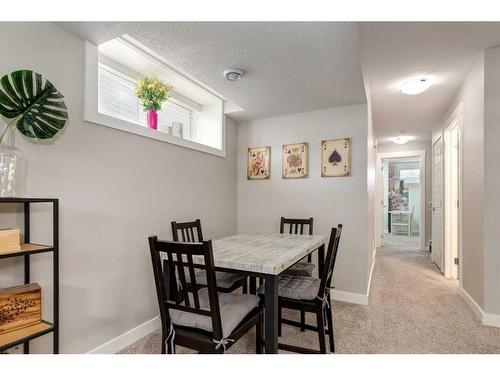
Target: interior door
437	255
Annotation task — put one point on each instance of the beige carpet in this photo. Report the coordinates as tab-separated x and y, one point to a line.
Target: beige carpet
412	309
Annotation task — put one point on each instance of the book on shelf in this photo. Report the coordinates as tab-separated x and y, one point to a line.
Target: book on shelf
10	240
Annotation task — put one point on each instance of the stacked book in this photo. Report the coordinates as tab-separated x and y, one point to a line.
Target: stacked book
10	240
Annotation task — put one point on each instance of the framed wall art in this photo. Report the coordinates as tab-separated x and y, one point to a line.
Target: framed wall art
336	157
259	163
295	160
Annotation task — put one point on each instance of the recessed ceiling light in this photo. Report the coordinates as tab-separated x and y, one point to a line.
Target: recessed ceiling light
233	74
415	86
402	139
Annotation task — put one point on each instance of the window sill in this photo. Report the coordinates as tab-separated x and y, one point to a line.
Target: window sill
129	127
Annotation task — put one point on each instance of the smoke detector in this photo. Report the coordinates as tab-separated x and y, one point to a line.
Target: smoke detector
233	74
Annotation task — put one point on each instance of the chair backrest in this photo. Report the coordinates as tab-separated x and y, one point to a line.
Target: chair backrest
179	257
187	231
331	256
296	226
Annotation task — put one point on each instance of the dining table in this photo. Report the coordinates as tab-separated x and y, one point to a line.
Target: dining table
266	256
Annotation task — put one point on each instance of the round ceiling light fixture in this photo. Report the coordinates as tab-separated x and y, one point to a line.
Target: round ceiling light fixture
233	74
402	139
415	86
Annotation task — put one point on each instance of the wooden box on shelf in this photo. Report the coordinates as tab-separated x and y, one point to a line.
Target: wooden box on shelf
10	240
20	306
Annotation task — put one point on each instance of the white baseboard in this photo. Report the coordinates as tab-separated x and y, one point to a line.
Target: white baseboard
120	342
127	338
359	299
492	320
486	319
371	274
476	309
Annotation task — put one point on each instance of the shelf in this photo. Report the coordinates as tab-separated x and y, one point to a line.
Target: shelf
27	249
19	336
27	200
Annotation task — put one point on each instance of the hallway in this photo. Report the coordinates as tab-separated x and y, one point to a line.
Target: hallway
412	309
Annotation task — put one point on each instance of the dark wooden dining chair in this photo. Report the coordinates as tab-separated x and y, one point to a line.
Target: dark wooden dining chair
296	226
191	232
203	319
309	294
303	267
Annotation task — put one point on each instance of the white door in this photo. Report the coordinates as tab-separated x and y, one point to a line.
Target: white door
437	255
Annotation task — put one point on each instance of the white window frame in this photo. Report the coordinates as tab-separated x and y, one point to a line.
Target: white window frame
91	113
174	98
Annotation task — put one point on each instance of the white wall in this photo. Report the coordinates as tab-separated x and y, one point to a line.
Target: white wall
414	146
115	189
330	201
491	182
471	96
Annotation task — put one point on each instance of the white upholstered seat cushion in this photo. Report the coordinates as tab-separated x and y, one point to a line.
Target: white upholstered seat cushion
224	279
296	287
233	309
300	269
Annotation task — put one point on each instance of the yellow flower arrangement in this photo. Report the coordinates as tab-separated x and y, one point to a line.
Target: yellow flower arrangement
152	92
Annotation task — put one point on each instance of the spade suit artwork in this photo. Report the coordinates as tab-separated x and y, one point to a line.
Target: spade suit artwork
335	160
336	157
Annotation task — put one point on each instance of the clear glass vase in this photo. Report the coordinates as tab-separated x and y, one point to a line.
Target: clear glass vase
12	168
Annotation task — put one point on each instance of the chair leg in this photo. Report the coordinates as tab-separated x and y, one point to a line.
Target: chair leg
280	315
258	336
329	318
321	330
163	345
253	285
302	320
245	286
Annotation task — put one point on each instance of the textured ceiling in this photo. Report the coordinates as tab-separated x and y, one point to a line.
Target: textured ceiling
396	51
291	66
304	66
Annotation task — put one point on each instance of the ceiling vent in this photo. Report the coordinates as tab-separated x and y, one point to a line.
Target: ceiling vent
233	74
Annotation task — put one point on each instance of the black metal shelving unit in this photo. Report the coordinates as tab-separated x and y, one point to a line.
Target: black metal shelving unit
24	335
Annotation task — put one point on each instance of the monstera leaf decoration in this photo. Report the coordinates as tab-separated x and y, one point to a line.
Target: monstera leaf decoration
33	103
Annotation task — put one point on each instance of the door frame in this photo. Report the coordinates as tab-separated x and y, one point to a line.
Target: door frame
405	154
455	121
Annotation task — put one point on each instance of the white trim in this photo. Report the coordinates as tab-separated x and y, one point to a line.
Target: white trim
91	113
476	309
128	338
379	202
421	154
455	121
486	319
371	272
491	320
357	298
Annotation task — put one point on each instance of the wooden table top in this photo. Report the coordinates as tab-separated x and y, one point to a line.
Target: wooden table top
263	253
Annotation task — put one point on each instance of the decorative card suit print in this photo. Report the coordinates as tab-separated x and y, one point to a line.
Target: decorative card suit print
335	158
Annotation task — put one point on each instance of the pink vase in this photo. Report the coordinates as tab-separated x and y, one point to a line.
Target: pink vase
152	119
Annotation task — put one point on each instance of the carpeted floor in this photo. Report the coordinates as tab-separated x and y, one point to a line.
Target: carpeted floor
412	309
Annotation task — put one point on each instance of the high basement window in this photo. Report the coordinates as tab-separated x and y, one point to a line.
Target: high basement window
193	117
